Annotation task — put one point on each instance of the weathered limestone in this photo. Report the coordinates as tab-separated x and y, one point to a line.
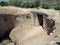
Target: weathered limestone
28	36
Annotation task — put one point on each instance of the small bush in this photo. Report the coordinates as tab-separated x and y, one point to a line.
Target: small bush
28	5
2	3
45	5
37	4
57	8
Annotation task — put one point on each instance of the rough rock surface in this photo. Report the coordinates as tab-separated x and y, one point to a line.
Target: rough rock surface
24	32
28	36
9	16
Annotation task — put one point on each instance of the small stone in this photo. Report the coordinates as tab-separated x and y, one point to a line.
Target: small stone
51	43
50	33
10	44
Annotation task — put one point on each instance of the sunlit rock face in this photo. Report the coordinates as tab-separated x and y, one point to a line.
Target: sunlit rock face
29	36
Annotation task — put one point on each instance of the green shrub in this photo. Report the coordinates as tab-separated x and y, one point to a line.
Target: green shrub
16	3
57	7
45	5
28	5
2	3
37	3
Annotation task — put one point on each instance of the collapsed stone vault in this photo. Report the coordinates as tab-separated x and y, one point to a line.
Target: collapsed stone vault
10	21
44	21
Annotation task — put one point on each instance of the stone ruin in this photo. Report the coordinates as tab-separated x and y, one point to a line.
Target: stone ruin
10	21
44	21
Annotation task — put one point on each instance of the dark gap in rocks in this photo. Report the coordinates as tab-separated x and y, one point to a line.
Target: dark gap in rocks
58	43
9	20
40	19
49	23
50	26
5	36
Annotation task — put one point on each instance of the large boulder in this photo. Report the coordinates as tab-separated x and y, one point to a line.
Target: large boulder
28	35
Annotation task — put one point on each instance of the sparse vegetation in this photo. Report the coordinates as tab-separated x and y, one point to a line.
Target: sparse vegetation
57	7
15	2
35	4
2	3
27	4
45	5
31	4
